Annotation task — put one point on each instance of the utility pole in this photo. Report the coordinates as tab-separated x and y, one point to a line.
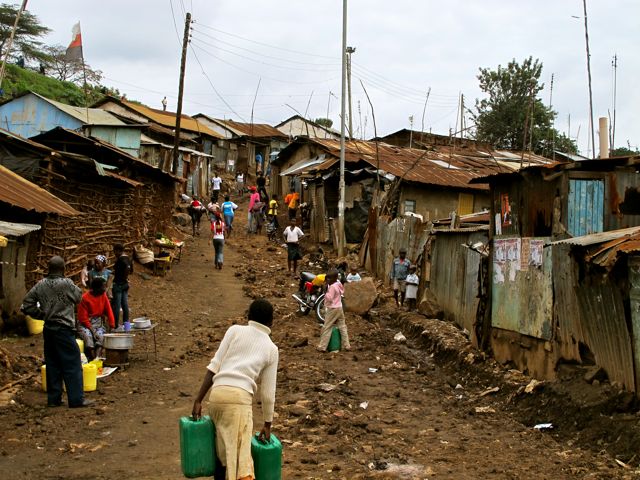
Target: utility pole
350	50
614	64
410	131
183	62
10	41
586	39
341	202
461	116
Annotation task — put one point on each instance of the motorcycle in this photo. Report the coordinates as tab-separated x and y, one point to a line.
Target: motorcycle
310	296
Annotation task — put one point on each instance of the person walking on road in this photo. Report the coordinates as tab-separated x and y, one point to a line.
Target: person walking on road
292	199
334	315
217	237
261	182
252	218
216	182
240	183
54	300
398	275
246	357
229	212
292	236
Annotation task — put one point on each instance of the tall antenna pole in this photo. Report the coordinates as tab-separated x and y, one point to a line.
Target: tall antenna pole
341	202
553	121
615	88
586	39
183	63
10	41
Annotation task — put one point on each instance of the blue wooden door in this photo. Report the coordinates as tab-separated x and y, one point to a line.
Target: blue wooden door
585	207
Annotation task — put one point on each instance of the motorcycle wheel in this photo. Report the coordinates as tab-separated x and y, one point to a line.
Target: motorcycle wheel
320	310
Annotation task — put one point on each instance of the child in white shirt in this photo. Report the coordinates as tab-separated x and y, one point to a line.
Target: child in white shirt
353	276
412	288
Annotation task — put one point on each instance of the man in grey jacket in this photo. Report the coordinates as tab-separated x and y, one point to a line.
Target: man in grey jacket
54	299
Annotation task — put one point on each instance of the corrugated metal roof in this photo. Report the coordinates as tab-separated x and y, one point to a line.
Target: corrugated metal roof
17	229
91	116
20	192
168	119
256	130
601	237
303	165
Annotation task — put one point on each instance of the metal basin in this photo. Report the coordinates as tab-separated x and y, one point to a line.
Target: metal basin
118	341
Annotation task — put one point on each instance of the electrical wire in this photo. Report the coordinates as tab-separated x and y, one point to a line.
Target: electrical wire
258	53
213	86
254	60
260	75
175	26
267	45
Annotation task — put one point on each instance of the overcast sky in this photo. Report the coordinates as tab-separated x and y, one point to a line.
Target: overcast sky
403	47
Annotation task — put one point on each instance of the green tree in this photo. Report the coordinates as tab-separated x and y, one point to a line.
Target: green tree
325	122
624	152
26	42
512	117
59	66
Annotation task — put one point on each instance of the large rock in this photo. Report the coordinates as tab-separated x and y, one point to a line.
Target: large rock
359	297
428	305
181	219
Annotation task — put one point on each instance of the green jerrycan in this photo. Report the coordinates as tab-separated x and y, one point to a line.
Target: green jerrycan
197	447
267	458
335	342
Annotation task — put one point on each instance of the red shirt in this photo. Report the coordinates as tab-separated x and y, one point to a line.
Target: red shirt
92	306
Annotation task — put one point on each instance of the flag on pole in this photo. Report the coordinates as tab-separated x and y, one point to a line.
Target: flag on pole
74	50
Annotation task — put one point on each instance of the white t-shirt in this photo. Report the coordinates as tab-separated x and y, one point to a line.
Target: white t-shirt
293	235
353	277
240	177
412	286
216	181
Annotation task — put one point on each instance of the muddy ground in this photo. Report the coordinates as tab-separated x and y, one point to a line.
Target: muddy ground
422	414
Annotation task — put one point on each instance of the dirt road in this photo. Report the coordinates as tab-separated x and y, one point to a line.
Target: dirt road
407	420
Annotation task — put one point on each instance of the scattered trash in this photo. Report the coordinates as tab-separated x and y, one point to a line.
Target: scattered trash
533	384
373	370
364	405
490	391
326	387
459	387
399	337
166	369
543	426
485	410
622	464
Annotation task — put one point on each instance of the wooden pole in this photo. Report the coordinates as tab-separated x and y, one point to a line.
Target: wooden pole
10	42
586	39
183	62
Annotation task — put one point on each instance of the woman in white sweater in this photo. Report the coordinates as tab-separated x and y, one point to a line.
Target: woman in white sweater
246	356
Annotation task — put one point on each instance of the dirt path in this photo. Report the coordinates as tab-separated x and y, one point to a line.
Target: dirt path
407	420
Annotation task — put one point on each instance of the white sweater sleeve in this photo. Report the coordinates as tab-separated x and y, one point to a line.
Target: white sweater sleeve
216	361
268	387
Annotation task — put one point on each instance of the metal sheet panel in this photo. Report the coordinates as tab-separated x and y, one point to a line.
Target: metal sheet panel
585	209
454	275
19	192
17	229
522	299
634	297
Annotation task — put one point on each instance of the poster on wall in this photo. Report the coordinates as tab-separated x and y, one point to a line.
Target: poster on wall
499	260
505	210
536	252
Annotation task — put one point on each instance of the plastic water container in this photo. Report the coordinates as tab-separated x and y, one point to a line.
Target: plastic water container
80	344
197	447
267	458
89	377
34	326
335	342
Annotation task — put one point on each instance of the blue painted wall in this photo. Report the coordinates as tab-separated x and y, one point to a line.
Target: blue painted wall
127	138
29	116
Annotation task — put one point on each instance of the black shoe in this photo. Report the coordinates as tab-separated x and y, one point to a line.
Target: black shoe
55	404
85	403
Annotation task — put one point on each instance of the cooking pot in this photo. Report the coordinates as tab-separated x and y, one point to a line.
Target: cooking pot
118	341
142	322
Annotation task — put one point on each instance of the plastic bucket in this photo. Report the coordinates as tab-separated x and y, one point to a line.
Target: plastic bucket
98	363
89	377
34	326
80	344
